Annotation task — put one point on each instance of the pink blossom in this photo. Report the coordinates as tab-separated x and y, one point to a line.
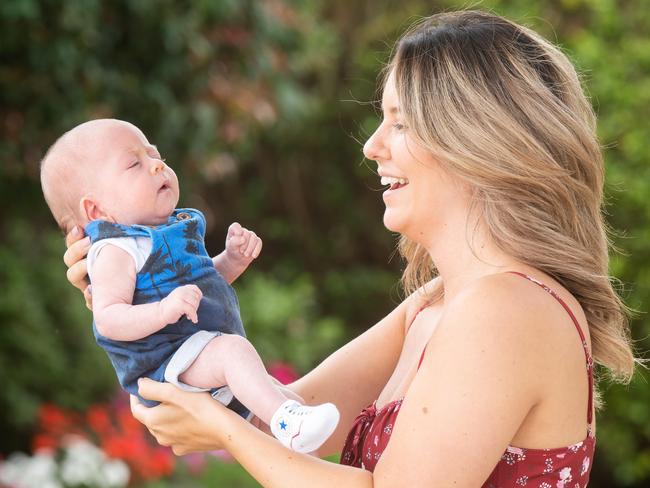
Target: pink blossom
283	372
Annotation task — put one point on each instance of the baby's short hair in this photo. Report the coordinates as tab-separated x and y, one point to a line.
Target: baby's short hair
65	178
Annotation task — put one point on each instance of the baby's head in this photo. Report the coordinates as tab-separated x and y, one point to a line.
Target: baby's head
106	169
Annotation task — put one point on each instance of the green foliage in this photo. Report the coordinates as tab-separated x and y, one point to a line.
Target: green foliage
215	473
283	321
46	342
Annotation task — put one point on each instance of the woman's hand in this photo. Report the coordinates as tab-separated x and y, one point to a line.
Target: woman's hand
75	259
188	422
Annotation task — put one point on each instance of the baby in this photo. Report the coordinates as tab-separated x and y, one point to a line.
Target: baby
162	307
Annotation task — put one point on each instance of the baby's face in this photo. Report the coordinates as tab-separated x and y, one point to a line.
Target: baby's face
134	185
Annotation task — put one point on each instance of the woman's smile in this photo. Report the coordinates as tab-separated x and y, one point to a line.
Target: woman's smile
393	184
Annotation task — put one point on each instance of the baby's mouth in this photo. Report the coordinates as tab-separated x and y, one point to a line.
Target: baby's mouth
394	183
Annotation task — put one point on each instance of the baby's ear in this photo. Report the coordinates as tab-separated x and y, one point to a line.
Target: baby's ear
91	210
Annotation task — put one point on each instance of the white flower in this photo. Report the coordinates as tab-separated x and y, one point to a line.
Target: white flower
83	464
22	471
585	466
114	474
86	464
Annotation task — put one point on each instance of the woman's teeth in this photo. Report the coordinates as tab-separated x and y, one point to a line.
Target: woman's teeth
394	182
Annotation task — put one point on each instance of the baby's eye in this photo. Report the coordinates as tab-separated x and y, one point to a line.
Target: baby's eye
134	164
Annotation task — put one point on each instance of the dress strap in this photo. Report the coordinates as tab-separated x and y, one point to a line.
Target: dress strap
413	320
589	359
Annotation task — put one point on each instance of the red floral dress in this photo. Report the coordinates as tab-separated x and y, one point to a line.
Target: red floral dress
562	467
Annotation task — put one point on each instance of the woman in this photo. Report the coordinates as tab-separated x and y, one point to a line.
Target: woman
484	374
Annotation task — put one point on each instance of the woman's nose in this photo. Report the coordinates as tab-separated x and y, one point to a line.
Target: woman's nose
374	148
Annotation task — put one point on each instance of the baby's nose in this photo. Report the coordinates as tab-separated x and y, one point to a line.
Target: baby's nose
157	167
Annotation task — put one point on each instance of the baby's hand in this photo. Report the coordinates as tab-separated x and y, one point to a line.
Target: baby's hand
242	245
184	300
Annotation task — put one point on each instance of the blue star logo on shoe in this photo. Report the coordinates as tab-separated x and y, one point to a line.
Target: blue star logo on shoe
283	425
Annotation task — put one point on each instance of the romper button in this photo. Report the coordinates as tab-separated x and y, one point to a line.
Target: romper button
183	216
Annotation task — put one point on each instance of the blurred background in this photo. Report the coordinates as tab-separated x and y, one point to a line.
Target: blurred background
261	107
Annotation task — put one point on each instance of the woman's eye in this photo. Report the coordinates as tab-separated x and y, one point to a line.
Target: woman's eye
399	126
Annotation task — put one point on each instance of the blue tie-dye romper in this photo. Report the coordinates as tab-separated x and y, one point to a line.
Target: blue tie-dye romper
178	257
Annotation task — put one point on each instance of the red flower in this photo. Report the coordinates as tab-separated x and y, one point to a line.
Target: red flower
53	419
99	419
123	447
162	461
128	424
43	441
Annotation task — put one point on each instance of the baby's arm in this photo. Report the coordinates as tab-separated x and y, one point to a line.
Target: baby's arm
242	247
116	317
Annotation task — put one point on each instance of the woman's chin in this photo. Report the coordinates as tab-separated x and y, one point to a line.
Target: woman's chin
392	222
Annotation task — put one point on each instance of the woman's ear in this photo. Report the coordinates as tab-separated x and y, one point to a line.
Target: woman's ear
91	210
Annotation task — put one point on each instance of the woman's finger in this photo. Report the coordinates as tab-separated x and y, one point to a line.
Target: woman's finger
138	410
76	251
153	390
77	274
180	450
73	236
88	297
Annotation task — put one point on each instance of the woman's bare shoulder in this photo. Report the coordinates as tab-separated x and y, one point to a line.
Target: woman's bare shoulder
510	307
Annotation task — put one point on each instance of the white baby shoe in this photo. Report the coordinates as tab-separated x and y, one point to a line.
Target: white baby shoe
303	428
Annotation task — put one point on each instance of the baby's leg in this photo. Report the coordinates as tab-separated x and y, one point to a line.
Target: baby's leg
231	360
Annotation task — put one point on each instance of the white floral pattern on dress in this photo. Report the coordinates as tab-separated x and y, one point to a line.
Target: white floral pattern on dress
522	480
565	477
548	468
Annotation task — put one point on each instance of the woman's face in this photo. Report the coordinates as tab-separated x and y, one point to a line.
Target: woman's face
419	192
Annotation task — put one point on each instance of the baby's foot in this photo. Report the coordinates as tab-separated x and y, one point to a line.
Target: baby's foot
303	428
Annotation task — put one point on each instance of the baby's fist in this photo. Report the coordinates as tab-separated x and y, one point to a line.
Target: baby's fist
183	300
242	244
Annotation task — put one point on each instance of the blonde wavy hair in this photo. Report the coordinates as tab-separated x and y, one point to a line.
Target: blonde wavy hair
503	109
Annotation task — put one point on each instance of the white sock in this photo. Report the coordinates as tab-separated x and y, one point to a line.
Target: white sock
303	428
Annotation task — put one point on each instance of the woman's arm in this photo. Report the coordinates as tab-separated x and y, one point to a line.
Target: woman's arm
353	376
476	385
473	390
194	421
